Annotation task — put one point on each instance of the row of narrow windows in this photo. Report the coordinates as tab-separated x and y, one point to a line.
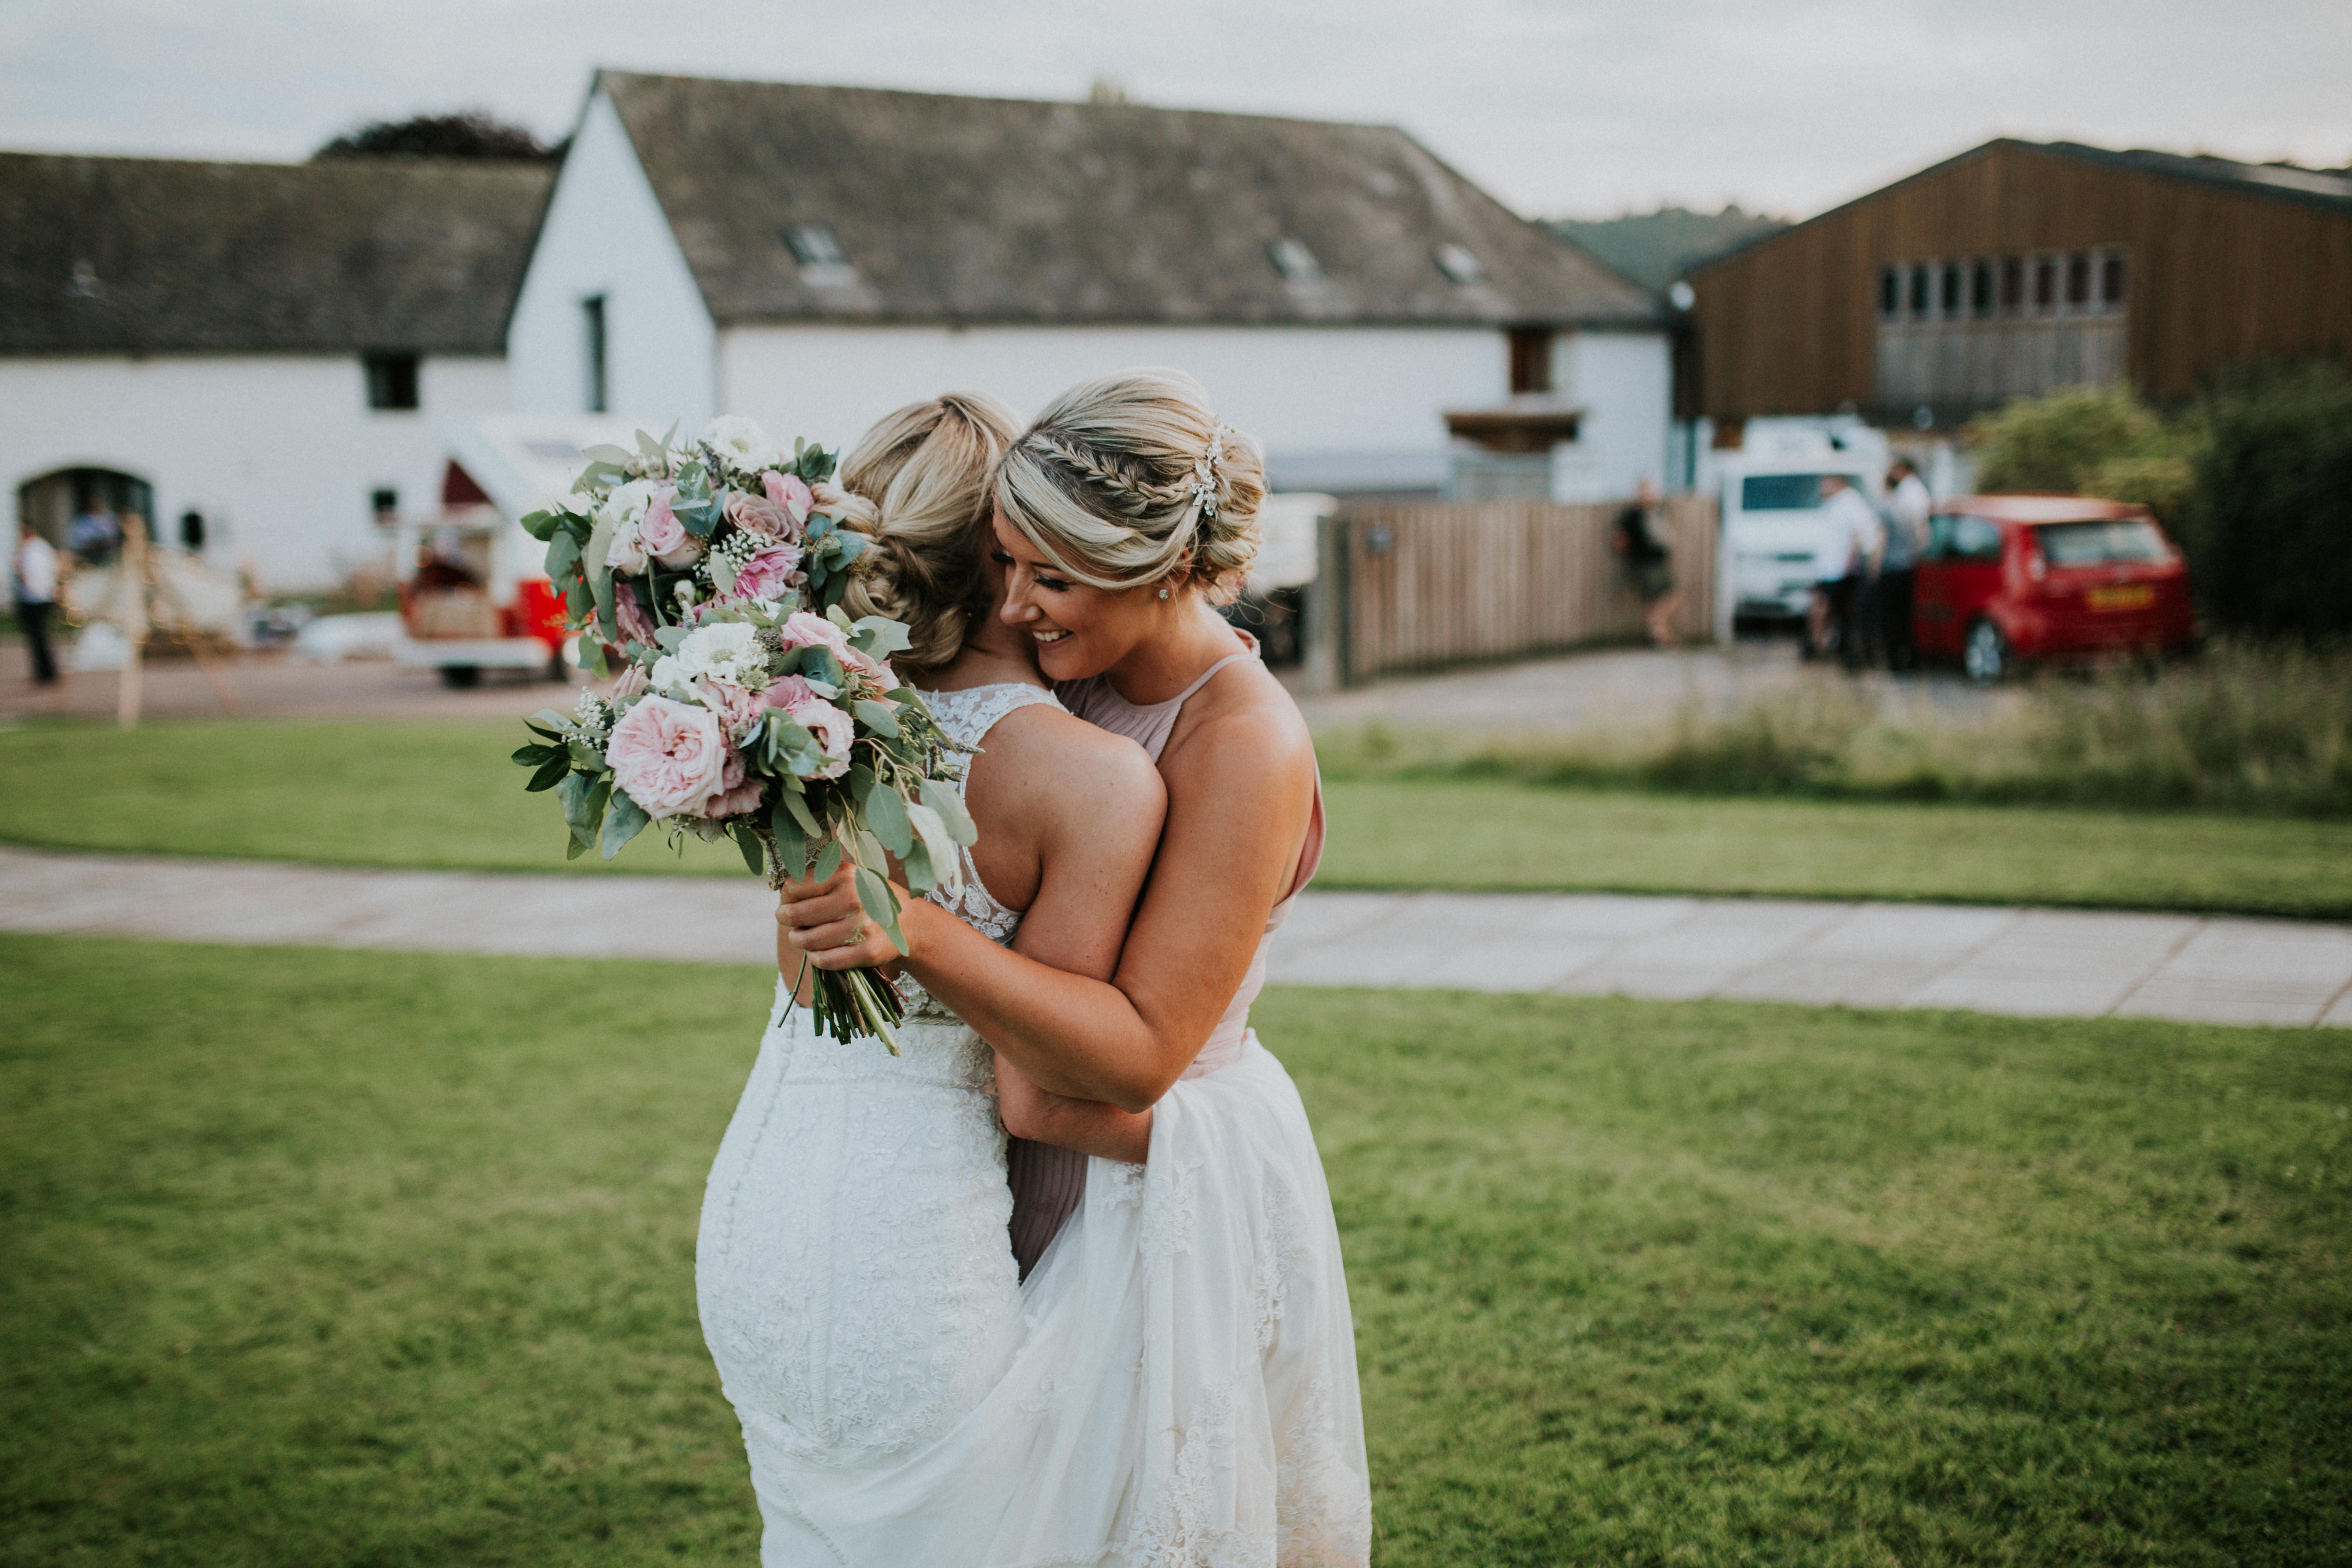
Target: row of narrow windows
2003	286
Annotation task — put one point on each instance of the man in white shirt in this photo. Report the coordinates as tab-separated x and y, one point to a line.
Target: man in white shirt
1857	544
1908	505
35	570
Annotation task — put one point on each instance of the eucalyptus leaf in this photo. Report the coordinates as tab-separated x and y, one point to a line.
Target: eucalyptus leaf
886	636
669	637
792	844
798	802
573	849
935	845
587	756
548	719
754	855
563	557
606	452
880	902
942	798
622	822
828	861
574	794
878	716
537	524
886	814
600	576
651	448
592	655
921	876
869	849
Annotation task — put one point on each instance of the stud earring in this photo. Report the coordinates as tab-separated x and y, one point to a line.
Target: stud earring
1163	592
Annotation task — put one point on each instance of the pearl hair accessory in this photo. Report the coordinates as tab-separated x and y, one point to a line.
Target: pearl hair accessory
1207	468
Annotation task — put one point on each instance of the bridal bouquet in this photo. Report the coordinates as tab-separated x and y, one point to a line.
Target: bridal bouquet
749	705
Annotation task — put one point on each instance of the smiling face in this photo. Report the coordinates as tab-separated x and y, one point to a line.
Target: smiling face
1079	630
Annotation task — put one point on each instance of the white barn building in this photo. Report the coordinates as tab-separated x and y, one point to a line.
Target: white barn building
256	357
815	257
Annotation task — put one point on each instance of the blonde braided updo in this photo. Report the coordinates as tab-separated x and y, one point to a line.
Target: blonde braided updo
1129	478
918	485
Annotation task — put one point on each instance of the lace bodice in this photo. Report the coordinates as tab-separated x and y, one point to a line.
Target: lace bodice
967	717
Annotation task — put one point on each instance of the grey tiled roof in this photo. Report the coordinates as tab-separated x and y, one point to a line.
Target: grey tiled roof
2329	187
165	255
975	209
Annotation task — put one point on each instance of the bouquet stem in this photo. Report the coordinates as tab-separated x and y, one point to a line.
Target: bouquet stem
844	1002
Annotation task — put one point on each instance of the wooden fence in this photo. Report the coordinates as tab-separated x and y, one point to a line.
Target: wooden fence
1417	585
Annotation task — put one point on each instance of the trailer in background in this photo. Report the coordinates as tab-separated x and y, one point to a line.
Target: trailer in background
473	593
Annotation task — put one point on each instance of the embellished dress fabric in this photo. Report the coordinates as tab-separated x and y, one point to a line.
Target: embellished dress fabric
1173	1384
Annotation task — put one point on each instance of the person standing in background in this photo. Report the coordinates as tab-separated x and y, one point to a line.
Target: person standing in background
1857	544
35	569
94	534
1908	506
1641	540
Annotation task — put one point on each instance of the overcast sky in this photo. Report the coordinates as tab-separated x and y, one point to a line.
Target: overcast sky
1561	108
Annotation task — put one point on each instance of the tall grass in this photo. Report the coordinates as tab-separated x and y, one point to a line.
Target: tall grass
2249	728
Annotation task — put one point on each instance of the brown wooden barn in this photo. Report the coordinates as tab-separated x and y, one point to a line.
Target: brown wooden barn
2019	266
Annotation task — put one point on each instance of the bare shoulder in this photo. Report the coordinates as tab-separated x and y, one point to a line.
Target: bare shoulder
1088	769
1246	727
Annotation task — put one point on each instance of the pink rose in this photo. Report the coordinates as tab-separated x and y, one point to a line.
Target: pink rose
634	624
787	692
752	515
873	669
804	629
737	709
833	730
769	572
667	756
628	683
664	537
737	791
789	492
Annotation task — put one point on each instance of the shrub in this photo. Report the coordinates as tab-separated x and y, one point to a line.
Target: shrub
2269	530
2058	441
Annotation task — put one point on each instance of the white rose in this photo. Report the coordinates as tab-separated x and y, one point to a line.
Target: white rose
742	443
727	650
624	509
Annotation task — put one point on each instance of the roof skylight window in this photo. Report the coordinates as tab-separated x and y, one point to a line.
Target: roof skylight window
1295	261
1461	263
813	245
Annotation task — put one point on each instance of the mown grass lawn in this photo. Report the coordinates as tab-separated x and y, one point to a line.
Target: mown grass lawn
328	1259
444	795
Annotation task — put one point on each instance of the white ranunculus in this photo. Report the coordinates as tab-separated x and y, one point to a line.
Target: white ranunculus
624	509
742	443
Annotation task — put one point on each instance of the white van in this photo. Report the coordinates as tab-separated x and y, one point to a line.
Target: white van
1774	545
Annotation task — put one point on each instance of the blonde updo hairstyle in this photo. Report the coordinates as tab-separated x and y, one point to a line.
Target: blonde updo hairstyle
916	484
1128	479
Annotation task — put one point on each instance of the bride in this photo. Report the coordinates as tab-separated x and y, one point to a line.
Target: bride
1174	1382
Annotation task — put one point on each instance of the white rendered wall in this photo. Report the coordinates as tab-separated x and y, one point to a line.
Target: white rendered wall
604	234
1624	382
280	453
1336	407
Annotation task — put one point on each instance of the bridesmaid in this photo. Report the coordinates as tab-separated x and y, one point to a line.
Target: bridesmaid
1123	515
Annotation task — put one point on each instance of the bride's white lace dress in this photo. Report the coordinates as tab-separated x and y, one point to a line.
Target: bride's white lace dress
1174	1384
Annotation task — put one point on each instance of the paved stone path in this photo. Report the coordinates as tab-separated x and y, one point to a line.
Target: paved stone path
2046	963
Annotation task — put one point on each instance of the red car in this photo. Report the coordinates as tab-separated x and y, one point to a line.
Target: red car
2009	579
